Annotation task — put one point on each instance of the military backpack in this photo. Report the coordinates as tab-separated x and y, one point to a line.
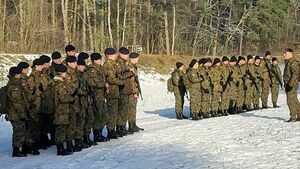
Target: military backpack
3	100
170	85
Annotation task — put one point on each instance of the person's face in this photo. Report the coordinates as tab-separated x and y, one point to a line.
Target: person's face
218	64
124	56
39	67
72	64
257	61
46	65
225	62
250	61
63	75
57	61
287	55
268	57
81	68
275	62
232	63
71	53
25	71
112	57
196	66
136	61
86	61
98	62
207	64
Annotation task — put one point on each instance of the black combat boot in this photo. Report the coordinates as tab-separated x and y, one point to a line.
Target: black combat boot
194	116
112	134
26	149
292	120
70	146
130	127
139	128
35	150
119	131
61	151
87	141
18	153
78	145
275	105
264	106
96	136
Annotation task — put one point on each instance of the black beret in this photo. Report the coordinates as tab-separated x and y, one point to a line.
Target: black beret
95	56
233	59
83	55
45	59
217	60
209	60
14	70
241	58
69	48
55	55
289	50
60	68
110	51
249	57
205	60
124	51
23	65
193	62
225	58
37	62
268	53
71	59
257	57
274	59
133	55
81	62
179	64
201	61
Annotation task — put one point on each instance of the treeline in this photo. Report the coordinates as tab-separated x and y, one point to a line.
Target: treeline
172	27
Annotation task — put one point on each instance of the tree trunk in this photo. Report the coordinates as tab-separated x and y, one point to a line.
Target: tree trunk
64	9
89	26
84	26
167	38
109	24
74	33
118	24
134	24
124	23
174	28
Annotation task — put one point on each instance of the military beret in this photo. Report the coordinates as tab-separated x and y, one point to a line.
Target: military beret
179	64
209	60
241	58
110	51
45	59
81	62
83	55
55	55
60	68
268	53
225	58
274	59
37	62
69	48
233	59
133	55
217	60
289	50
249	57
257	57
14	70
71	59
201	61
95	56
23	65
193	62
124	51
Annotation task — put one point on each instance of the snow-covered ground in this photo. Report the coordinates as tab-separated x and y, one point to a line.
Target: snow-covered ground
257	139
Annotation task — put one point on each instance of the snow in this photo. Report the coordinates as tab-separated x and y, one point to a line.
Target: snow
257	139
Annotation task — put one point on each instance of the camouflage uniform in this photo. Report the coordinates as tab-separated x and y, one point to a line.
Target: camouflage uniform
206	91
250	82
291	84
217	89
195	92
179	92
232	87
275	83
225	97
241	87
265	82
256	93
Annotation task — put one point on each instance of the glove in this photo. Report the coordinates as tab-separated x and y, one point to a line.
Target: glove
221	83
245	87
252	78
41	88
206	90
244	78
212	86
231	79
288	88
247	71
238	83
75	93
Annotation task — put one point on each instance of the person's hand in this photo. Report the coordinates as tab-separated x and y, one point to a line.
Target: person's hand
136	96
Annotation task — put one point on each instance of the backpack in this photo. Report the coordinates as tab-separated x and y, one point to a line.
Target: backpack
3	100
170	85
186	81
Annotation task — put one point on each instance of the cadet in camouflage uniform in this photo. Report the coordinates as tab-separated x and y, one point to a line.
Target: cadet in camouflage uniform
291	83
258	80
206	87
63	99
266	65
276	81
179	90
112	92
56	60
17	111
226	75
125	75
233	83
217	89
250	82
96	80
241	84
195	89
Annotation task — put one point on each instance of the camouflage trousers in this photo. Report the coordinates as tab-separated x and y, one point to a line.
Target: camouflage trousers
265	91
123	110
35	130
195	103
205	105
293	103
240	96
232	94
132	103
61	133
21	135
215	101
100	115
179	102
275	92
249	94
72	124
80	122
256	96
112	106
88	120
225	100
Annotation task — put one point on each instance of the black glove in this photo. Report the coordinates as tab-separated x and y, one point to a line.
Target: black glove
75	93
41	88
206	90
221	83
245	88
212	86
230	79
224	87
252	78
244	78
248	71
288	88
238	83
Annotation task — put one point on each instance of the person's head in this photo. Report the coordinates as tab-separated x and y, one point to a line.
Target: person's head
81	65
71	62
83	56
110	53
217	62
56	57
241	60
250	59
70	50
201	61
225	60
134	58
96	58
209	62
233	61
15	72
24	66
61	70
46	61
268	55
179	65
288	54
37	64
194	64
257	60
124	53
275	61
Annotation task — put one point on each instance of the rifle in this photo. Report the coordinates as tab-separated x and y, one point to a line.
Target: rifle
137	80
252	79
276	75
227	80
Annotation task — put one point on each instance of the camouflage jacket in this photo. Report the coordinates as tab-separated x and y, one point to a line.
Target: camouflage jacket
276	78
195	81
84	90
96	80
73	84
132	82
264	70
217	78
124	74
291	72
204	73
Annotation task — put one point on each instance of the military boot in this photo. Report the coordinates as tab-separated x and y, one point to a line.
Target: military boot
275	105
61	151
225	112
112	134
78	145
119	131
130	128
35	150
18	153
264	106
70	146
139	128
96	136
87	141
26	149
194	116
